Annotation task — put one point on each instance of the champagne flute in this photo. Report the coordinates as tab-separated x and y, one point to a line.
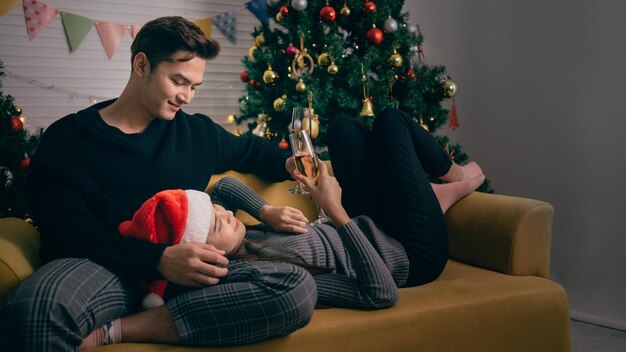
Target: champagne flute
307	163
298	115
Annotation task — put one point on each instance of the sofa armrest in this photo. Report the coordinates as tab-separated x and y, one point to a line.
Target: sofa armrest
506	234
19	253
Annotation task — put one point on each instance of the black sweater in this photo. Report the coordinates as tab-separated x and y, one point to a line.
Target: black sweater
86	177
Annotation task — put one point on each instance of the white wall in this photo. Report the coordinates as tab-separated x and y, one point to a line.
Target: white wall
89	73
541	104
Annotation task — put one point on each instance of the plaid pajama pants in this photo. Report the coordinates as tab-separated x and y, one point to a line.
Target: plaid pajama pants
66	299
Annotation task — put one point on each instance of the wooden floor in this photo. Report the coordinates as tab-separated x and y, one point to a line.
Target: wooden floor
593	338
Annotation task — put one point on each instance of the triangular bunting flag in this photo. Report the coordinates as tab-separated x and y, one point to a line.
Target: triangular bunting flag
205	25
37	15
110	35
258	9
6	5
76	29
226	23
133	29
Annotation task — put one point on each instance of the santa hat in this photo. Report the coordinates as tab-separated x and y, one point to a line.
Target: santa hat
170	217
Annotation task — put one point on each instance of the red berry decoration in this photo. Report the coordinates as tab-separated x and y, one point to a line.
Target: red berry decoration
254	84
369	6
243	76
328	14
16	124
283	144
25	163
284	10
375	36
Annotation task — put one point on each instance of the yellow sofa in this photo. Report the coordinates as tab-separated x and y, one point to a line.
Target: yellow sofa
494	294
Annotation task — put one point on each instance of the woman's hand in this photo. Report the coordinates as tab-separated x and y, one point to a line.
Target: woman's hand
286	219
326	192
193	264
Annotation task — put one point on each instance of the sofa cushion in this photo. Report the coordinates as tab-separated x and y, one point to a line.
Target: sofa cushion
466	309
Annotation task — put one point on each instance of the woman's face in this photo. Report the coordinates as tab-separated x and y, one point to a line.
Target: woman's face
226	231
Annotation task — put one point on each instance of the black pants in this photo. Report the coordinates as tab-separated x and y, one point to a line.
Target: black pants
383	174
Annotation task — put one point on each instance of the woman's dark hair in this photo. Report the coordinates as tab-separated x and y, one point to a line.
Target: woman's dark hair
247	246
160	38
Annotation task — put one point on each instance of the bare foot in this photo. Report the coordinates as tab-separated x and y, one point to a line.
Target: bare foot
450	193
471	170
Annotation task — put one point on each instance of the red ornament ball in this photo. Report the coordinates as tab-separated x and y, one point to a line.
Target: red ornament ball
243	76
375	36
291	50
25	163
283	144
16	124
369	6
328	14
284	10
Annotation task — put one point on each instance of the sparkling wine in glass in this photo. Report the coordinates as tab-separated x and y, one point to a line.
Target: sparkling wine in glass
307	163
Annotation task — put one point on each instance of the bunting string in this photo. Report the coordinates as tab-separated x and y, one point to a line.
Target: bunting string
37	15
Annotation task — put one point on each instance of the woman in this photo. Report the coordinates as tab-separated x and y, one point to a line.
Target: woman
388	230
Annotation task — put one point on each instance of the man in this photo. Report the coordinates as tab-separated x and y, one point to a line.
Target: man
94	169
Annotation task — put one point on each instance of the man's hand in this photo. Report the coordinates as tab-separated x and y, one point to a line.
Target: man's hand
193	264
326	192
285	219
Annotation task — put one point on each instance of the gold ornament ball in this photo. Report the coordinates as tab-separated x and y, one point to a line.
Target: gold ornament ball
259	40
301	87
449	87
18	110
333	69
231	118
251	52
269	76
396	60
278	103
313	127
345	11
323	59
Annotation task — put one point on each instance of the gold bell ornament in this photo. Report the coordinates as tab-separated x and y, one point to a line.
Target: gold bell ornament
345	10
332	68
368	107
279	102
259	40
269	76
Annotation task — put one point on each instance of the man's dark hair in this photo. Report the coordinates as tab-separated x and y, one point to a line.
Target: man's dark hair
160	38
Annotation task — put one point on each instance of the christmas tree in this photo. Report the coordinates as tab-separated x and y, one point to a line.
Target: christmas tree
16	146
349	57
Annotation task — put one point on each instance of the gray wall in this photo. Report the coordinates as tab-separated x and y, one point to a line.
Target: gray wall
541	105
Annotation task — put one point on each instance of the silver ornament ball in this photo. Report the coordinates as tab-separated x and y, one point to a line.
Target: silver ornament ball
272	3
413	29
391	25
299	5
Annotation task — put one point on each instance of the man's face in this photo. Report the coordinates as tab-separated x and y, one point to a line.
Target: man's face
172	85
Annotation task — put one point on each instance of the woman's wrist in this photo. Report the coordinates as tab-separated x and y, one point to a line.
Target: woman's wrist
263	212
